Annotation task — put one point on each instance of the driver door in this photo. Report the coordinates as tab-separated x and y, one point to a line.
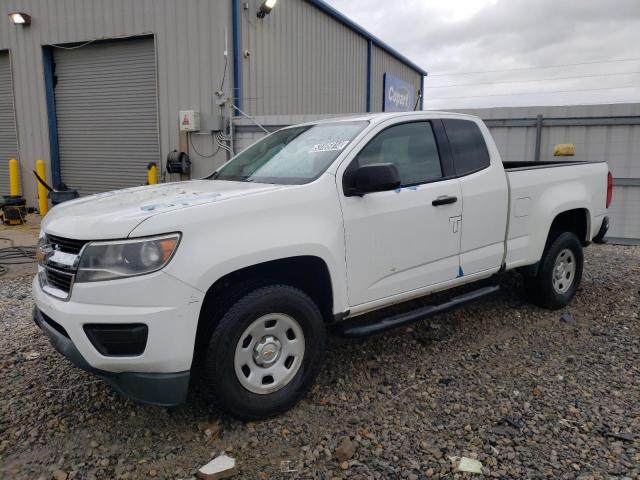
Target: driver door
409	238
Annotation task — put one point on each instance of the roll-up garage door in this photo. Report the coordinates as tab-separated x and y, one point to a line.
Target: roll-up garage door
107	114
8	139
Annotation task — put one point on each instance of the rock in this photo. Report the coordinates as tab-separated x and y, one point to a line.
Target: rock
218	468
212	431
568	319
466	464
344	465
59	474
345	450
626	437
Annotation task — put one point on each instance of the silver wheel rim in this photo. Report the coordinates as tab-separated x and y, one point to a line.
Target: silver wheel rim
269	353
564	271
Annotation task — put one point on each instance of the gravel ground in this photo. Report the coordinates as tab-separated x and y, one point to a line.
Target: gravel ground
528	392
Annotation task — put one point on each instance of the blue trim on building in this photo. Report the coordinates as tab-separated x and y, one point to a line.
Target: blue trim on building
422	94
369	74
384	88
329	10
236	23
47	60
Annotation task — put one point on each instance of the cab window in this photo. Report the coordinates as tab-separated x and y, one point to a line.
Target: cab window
467	144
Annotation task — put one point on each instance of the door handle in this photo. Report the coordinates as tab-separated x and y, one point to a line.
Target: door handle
444	200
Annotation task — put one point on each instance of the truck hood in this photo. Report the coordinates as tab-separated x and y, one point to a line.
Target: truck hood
115	214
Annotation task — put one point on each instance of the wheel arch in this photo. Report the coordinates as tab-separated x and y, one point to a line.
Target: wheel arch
307	272
576	221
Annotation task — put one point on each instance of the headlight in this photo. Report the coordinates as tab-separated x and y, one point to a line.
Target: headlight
125	258
40	248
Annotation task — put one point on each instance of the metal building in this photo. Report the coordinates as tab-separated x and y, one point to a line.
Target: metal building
599	132
98	85
8	134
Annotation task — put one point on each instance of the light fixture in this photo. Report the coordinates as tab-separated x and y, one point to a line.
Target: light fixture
20	18
266	7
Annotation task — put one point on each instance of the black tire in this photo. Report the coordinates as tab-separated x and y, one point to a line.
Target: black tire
219	377
540	287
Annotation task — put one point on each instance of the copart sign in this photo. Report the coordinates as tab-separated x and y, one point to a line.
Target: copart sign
399	96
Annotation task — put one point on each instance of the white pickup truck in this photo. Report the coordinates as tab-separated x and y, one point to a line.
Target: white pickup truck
234	279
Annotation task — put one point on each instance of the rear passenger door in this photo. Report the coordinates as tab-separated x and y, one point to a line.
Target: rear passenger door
405	239
484	196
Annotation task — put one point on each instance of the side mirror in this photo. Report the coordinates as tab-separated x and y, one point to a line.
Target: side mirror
376	177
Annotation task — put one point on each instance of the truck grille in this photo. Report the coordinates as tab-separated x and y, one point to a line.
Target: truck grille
56	276
59	279
66	244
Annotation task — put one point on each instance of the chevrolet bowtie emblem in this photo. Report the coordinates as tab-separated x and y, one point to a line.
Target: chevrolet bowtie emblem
43	252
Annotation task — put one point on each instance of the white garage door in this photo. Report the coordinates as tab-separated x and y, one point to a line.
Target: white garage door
8	140
106	109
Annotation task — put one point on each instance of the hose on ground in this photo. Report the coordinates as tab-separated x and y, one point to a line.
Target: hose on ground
15	255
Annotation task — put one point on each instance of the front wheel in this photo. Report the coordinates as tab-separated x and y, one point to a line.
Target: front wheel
265	353
559	273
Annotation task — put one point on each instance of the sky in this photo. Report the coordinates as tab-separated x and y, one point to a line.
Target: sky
591	46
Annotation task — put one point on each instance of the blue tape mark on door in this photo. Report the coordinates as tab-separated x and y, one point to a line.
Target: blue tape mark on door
460	272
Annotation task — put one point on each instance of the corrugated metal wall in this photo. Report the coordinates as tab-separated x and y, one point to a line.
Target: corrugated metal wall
618	144
381	63
301	61
8	139
107	113
189	40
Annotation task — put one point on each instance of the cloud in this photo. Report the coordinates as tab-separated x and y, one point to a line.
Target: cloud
481	35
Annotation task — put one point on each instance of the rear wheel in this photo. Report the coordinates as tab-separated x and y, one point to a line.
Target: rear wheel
265	353
559	273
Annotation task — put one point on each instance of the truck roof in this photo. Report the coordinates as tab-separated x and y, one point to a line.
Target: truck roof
379	117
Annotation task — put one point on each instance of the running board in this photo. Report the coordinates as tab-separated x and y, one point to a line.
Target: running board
363	328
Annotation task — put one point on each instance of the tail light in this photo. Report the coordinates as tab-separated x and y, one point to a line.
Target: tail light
609	189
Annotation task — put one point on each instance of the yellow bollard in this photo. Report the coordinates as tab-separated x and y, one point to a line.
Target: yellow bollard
14	178
43	202
152	174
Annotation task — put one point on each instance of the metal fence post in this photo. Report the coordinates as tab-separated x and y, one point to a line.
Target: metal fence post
536	156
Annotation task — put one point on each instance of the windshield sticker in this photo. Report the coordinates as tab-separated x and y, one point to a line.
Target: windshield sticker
329	147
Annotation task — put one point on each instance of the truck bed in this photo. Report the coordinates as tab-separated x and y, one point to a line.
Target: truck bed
537	195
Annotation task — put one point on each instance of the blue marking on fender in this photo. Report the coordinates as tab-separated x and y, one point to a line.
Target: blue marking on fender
460	272
397	190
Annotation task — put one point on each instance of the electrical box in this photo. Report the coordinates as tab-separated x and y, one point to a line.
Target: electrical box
189	121
215	123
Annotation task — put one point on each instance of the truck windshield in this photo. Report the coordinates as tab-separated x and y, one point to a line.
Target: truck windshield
291	156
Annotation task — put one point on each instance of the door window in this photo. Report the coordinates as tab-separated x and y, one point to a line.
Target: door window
468	147
411	147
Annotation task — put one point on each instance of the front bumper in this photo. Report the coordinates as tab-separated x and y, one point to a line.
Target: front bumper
165	389
167	308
